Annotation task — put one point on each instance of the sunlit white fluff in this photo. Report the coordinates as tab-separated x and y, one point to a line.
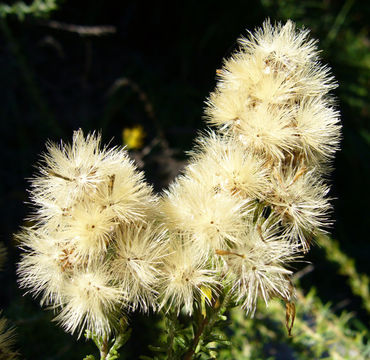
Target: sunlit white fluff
301	201
234	170
267	131
140	251
69	172
275	119
286	49
261	127
46	264
84	170
318	129
184	273
90	301
125	194
257	267
273	75
212	219
277	130
89	230
84	195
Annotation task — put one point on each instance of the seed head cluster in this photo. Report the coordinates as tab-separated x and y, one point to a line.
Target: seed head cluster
254	193
95	247
249	202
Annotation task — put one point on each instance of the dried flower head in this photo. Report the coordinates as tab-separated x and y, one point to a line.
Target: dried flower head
247	204
272	95
46	264
300	199
258	267
232	169
90	301
83	172
254	192
140	252
185	274
211	219
92	208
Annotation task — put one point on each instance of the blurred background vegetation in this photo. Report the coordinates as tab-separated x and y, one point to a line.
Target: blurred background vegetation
140	72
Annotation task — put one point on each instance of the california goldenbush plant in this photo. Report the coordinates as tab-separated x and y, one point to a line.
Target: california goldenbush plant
225	233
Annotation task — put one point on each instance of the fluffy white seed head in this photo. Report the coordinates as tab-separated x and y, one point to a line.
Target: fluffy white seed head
90	301
89	230
284	49
126	195
300	199
234	170
92	205
71	174
211	219
102	243
267	91
140	251
264	128
318	131
257	267
46	264
185	273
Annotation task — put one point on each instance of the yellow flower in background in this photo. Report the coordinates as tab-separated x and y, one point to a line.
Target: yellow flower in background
133	137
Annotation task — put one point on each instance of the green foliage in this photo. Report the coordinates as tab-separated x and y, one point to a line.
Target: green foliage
226	332
38	9
208	331
317	334
359	283
200	337
109	348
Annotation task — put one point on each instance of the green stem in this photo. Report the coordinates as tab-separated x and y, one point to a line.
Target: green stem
120	340
104	348
108	349
218	307
189	354
171	326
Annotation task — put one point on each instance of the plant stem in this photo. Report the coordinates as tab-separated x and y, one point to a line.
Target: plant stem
189	354
171	318
104	348
218	307
108	349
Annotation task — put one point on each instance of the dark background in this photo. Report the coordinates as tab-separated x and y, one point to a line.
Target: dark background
54	81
